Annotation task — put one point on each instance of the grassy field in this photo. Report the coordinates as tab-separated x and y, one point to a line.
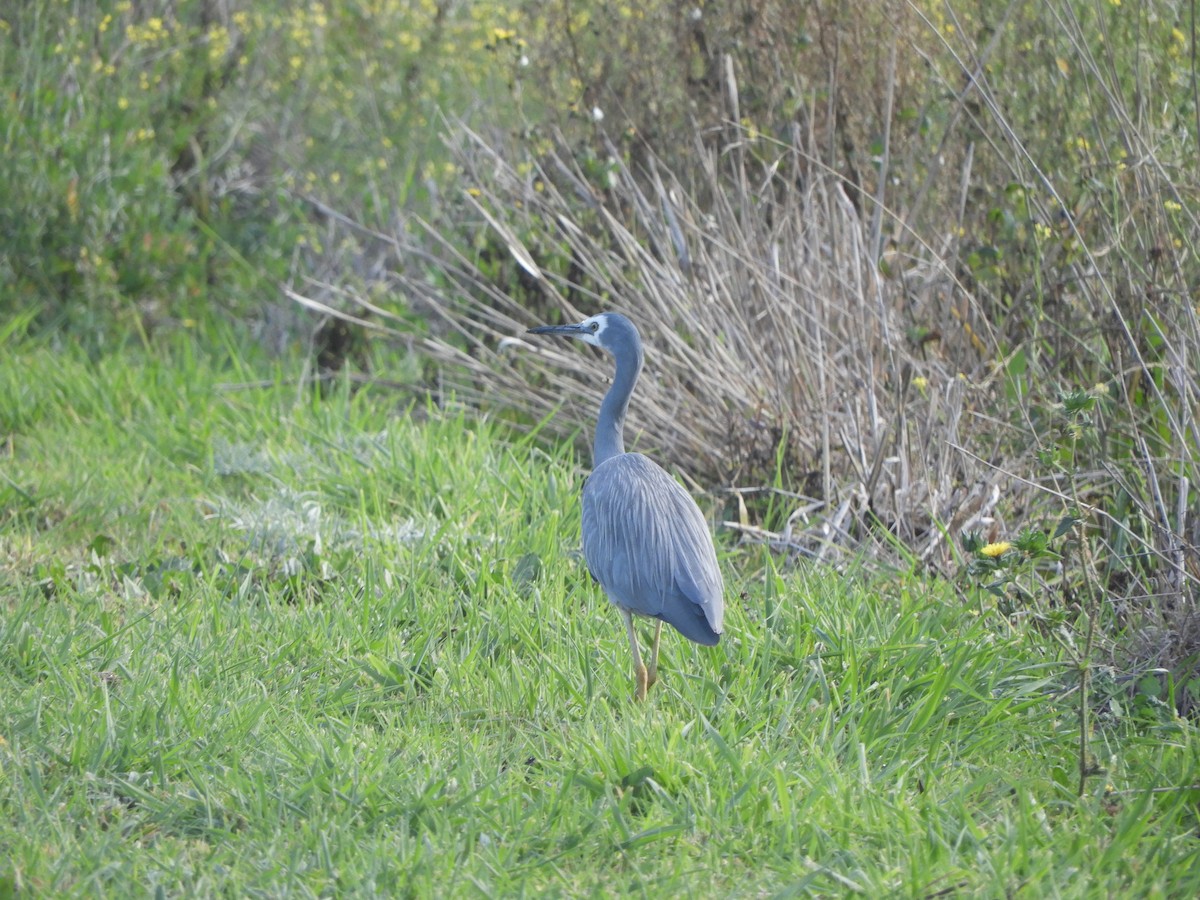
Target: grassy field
257	641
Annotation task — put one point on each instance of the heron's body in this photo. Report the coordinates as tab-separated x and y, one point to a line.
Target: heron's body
644	538
634	511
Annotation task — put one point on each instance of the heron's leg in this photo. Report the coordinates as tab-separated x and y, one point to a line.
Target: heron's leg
639	670
652	672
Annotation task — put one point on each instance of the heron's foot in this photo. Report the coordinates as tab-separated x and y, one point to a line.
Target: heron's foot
651	676
643	683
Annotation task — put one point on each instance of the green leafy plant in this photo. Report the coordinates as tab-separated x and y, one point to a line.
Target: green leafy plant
1050	575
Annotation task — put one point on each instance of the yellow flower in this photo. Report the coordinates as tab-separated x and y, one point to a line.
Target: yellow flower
1178	42
997	549
1171	206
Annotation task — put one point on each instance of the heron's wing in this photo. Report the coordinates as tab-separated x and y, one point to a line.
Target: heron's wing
648	545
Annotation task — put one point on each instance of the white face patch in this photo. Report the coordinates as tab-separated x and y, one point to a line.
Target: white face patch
593	328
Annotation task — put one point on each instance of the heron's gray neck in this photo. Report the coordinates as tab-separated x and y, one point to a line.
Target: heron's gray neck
610	426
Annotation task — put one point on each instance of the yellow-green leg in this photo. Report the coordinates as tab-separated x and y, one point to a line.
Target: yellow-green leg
639	670
652	672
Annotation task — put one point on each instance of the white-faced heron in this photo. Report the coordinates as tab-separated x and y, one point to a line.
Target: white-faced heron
644	538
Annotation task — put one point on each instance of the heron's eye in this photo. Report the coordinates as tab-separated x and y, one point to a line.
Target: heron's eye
594	326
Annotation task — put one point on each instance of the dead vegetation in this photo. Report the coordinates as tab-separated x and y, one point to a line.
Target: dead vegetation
778	357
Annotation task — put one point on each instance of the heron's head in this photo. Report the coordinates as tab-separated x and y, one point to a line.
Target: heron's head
610	331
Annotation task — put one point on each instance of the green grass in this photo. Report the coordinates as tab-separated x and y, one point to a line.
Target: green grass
263	642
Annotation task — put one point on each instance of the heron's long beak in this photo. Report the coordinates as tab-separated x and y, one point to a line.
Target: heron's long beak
557	329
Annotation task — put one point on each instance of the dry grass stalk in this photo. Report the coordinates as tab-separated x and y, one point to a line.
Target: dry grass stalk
777	352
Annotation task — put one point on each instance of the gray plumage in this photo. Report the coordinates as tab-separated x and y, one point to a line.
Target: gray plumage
647	544
644	538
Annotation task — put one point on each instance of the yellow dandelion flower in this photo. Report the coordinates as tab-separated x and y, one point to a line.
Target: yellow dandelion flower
997	549
122	103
